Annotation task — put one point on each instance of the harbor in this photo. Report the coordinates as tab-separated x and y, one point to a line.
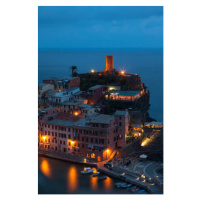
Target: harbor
116	172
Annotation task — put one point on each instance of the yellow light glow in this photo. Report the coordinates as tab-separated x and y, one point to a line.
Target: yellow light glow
76	113
122	72
107	184
145	142
92	71
107	150
85	160
44	137
111	88
45	168
72	176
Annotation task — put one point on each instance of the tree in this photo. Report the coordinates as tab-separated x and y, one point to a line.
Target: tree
74	70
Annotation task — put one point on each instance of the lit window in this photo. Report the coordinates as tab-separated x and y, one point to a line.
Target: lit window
93	155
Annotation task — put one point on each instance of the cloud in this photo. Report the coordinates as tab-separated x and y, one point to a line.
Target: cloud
100	27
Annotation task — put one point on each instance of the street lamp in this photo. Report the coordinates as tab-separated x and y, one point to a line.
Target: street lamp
44	137
107	153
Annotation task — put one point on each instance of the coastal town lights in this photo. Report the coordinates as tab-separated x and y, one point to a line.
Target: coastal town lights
122	72
145	141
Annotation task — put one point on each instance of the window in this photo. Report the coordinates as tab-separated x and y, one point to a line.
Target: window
64	135
69	143
91	139
60	141
96	141
82	145
86	139
69	136
56	127
52	133
48	126
63	142
82	139
48	132
120	118
88	155
108	141
52	127
93	155
52	140
68	129
120	124
56	134
49	140
55	141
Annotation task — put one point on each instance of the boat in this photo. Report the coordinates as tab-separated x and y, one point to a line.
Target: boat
135	189
96	174
126	185
119	183
102	177
87	170
140	192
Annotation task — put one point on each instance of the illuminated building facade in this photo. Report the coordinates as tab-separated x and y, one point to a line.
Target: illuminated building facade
94	136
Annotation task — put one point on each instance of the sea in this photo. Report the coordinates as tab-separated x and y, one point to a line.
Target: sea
147	63
60	177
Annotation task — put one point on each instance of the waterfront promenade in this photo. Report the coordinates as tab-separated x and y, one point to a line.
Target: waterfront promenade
117	171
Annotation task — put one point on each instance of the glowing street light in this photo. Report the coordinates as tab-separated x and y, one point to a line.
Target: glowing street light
92	71
106	154
122	72
76	113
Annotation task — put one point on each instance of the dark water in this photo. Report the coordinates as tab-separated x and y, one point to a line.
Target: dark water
146	63
59	177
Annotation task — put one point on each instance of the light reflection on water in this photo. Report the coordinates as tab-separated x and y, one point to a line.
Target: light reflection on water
108	184
72	176
45	168
66	178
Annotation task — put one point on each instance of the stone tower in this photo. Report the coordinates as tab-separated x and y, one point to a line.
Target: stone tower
109	63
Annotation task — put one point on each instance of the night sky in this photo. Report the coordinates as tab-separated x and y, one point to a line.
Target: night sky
100	27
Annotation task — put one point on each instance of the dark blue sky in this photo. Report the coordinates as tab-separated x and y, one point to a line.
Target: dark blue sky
100	27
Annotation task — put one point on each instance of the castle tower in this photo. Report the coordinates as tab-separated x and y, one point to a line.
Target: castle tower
109	63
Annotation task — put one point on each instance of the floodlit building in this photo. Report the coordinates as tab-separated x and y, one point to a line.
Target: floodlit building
95	136
119	95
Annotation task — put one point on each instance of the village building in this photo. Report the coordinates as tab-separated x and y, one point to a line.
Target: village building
56	99
118	95
94	94
42	87
95	136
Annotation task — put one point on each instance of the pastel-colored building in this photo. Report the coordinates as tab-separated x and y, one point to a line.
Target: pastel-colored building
56	99
42	87
95	94
66	84
94	136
